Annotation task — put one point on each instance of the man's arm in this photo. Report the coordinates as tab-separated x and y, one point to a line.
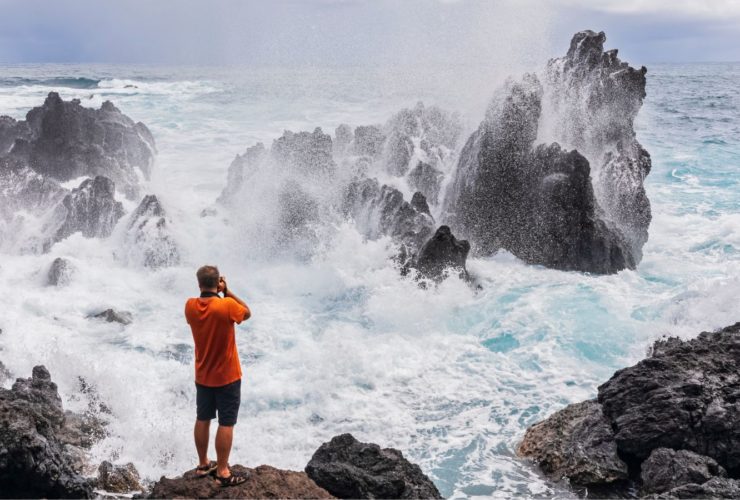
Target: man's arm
222	287
230	294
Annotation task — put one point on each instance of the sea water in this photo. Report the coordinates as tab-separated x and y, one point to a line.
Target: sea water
451	376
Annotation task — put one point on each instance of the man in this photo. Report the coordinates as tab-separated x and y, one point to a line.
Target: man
218	372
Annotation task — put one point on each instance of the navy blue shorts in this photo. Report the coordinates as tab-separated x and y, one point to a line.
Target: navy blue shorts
225	400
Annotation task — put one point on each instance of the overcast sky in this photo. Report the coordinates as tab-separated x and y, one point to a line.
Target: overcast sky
343	32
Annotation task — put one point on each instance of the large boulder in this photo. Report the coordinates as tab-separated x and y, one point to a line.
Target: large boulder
666	469
264	482
118	478
33	460
441	253
592	99
670	422
347	468
539	202
60	272
577	444
684	396
68	141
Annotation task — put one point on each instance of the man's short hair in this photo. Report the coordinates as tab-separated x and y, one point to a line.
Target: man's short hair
208	277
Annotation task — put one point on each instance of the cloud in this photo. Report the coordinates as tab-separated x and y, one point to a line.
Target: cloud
705	9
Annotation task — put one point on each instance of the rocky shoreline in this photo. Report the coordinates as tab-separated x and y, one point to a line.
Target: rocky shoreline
43	454
668	426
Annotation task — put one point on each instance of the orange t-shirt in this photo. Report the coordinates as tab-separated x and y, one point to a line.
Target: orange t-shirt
212	321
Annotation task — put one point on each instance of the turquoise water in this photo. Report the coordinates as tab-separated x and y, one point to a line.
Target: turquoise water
340	343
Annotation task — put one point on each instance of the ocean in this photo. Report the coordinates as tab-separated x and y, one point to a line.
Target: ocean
340	342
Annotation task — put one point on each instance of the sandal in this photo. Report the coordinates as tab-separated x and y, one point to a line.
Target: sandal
205	470
232	480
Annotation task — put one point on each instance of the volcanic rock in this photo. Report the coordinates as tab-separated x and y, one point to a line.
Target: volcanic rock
426	179
382	211
90	209
60	272
148	237
440	253
241	169
263	482
113	316
305	153
684	396
369	141
118	478
539	202
673	415
575	443
33	462
589	83
347	468
68	141
666	469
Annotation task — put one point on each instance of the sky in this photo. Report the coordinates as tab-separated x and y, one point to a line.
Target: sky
360	32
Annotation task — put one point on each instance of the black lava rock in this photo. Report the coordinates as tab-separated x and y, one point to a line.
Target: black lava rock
347	468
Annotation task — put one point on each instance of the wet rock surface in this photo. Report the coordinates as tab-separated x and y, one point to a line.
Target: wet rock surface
33	459
672	419
666	469
148	235
113	316
539	203
576	443
347	468
264	482
118	478
90	209
442	252
60	272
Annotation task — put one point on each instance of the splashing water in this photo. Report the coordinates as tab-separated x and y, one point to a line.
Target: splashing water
339	342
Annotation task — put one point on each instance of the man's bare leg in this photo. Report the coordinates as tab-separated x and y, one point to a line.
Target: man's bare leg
201	434
224	437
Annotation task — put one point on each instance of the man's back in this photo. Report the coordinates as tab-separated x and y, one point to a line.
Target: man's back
212	321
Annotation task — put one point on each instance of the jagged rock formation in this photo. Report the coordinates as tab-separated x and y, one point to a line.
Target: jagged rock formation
35	460
593	98
243	167
148	236
68	141
539	202
347	468
442	252
426	134
264	482
674	415
58	142
382	211
90	209
306	153
60	272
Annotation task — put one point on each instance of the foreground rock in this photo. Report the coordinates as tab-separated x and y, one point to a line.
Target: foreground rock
118	478
264	482
113	316
347	468
672	420
34	459
539	202
576	443
148	236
